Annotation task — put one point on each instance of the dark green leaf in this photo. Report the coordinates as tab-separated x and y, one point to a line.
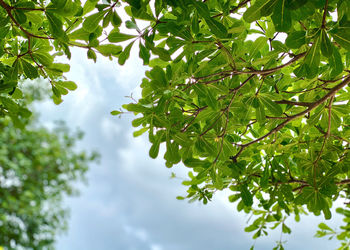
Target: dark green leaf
29	70
296	39
247	197
326	45
273	107
125	54
282	17
312	59
342	36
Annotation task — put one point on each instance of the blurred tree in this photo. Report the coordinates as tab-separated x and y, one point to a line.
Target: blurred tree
38	167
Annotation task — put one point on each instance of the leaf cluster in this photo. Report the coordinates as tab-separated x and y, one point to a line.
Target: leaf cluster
250	95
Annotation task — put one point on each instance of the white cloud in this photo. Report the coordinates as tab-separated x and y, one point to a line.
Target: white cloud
110	129
156	247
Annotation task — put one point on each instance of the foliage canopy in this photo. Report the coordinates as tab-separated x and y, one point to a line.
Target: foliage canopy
37	167
251	95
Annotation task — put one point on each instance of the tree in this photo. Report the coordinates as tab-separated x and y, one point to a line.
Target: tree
251	95
38	168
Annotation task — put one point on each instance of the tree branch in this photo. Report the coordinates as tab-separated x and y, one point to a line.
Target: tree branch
28	34
331	93
228	73
241	4
305	104
324	15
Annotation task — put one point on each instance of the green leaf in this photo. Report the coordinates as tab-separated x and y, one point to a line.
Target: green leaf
211	100
116	20
273	107
335	62
67	84
216	27
144	54
295	4
154	150
264	181
282	17
251	228
323	226
342	36
91	22
132	107
193	163
125	54
4	31
56	25
260	114
140	132
109	49
116	37
162	53
312	59
157	74
326	45
60	67
20	17
116	112
89	6
130	25
172	154
315	117
80	34
44	58
158	5
257	10
247	197
286	229
202	9
257	46
29	70
195	24
296	39
91	54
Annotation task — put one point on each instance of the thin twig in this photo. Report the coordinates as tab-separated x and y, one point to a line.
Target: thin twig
324	15
241	4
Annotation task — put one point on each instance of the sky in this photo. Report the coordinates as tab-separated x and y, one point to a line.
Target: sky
130	200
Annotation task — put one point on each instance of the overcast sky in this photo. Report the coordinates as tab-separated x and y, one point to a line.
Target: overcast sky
129	202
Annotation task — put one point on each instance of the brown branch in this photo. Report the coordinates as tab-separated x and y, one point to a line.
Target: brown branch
28	34
305	104
343	182
324	15
303	25
214	81
307	90
269	71
194	115
330	94
335	136
253	72
237	88
241	4
28	9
